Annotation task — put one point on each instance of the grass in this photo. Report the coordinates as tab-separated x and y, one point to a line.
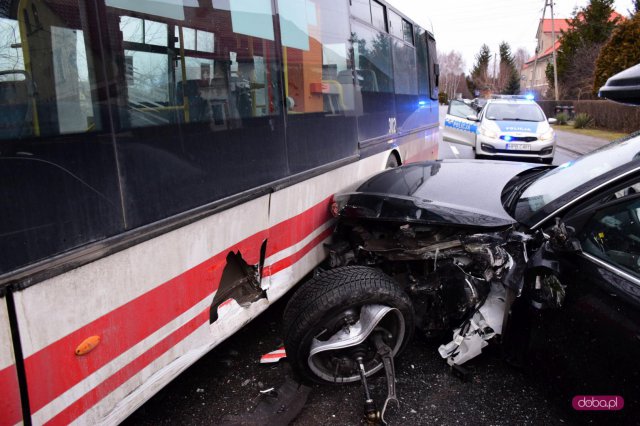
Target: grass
596	133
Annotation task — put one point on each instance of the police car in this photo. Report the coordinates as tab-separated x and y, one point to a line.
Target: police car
507	126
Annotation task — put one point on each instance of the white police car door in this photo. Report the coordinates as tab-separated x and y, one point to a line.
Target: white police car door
456	126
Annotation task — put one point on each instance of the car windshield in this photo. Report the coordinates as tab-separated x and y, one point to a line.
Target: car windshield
570	175
515	112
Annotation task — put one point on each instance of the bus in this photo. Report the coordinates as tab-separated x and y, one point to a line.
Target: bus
166	173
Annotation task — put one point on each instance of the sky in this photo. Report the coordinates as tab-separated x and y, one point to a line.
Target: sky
464	25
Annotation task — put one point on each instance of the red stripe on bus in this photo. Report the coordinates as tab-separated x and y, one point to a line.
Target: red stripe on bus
132	322
288	261
292	231
95	395
56	368
10	406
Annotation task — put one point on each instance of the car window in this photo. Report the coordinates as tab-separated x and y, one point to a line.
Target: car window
613	235
572	174
521	112
460	109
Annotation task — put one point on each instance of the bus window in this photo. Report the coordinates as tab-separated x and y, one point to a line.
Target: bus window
58	178
199	110
319	84
361	10
422	62
409	113
374	78
378	15
37	100
395	24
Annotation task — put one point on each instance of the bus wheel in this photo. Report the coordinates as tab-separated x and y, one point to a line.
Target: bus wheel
333	321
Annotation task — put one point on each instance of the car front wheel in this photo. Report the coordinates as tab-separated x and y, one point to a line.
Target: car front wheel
336	321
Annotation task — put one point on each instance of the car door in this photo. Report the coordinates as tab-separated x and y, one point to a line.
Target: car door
457	128
610	241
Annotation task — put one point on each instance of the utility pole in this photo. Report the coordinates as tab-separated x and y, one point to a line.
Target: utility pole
495	78
553	40
535	63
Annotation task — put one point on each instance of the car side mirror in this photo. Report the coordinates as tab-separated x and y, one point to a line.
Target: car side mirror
623	87
552	121
472	117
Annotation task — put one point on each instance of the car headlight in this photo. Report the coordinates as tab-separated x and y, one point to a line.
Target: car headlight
484	131
546	136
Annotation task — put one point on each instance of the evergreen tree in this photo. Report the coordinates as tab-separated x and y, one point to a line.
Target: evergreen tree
589	28
621	51
479	79
509	80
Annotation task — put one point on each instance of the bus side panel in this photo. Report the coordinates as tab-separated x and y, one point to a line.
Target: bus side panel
149	305
10	406
292	253
419	146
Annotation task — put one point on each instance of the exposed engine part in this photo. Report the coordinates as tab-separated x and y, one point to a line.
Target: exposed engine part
472	336
548	292
386	354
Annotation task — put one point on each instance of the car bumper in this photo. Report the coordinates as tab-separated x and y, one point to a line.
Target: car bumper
499	148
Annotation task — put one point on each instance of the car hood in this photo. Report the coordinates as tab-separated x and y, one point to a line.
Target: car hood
452	192
520	126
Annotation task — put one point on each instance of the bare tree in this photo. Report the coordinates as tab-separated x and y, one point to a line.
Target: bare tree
451	72
520	57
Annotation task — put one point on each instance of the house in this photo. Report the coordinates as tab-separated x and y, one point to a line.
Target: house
533	71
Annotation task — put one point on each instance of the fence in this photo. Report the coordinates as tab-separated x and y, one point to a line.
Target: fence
605	114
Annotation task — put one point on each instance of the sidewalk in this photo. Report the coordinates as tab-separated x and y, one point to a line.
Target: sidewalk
578	144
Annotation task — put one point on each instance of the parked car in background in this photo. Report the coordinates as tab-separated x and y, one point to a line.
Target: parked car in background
506	127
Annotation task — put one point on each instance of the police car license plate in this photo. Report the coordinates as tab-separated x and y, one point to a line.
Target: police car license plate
518	147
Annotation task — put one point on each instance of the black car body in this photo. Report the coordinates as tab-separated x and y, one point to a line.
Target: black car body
483	249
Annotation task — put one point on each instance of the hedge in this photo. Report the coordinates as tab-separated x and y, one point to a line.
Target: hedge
605	114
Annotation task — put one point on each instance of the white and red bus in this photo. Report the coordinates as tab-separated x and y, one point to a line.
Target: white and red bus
166	171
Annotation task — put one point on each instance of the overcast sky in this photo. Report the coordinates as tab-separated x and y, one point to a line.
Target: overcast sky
464	25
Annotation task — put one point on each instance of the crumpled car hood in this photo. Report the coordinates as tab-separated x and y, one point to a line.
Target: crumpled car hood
451	192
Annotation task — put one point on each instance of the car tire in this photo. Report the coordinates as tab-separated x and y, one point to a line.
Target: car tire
478	156
319	310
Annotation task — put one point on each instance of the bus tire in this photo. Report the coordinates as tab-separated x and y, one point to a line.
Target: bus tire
324	305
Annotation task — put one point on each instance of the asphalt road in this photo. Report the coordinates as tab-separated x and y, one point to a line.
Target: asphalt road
229	379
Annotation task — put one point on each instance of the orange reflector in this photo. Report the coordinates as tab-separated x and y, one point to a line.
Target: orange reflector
87	345
334	209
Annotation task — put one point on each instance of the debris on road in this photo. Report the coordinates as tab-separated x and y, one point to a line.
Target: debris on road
273	356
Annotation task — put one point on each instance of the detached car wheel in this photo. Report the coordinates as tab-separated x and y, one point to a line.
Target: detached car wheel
335	320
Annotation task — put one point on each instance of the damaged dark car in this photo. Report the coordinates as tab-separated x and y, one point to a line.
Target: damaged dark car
464	249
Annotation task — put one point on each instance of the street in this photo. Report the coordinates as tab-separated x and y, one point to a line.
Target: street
229	379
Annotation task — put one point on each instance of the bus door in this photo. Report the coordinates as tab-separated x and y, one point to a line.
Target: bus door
457	125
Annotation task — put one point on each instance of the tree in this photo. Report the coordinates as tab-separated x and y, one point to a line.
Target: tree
451	73
588	30
620	52
521	57
508	81
479	79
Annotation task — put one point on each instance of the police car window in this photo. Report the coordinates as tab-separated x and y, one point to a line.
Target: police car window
515	112
460	109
